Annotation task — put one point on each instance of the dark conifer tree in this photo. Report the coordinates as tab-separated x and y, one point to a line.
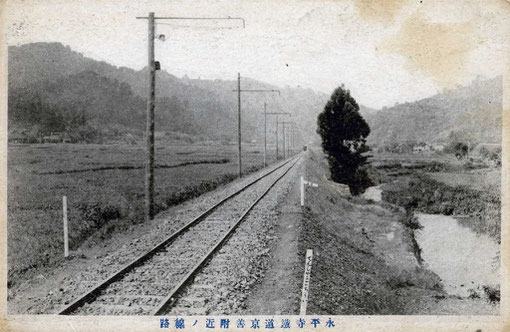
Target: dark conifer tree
344	131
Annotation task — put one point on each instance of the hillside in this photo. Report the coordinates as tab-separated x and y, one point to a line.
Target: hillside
49	81
53	88
471	113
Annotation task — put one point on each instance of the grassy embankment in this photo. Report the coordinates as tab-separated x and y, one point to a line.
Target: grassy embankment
104	188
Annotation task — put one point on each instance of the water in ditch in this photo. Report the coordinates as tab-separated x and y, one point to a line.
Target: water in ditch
464	260
374	193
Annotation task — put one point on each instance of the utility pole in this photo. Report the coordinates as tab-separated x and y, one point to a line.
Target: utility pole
239	123
290	140
265	133
149	152
150	125
277	155
283	125
293	140
239	90
283	133
276	138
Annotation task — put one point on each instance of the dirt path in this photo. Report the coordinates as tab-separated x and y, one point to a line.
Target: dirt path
279	291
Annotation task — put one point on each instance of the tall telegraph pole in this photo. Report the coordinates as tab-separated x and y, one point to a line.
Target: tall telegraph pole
288	141
283	125
239	115
276	137
149	134
239	123
149	157
283	133
265	133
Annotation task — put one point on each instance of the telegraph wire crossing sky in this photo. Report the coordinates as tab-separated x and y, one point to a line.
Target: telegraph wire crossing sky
403	54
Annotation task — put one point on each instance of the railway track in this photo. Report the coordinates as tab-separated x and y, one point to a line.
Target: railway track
151	283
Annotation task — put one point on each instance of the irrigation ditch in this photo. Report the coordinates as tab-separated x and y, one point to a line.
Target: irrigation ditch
444	223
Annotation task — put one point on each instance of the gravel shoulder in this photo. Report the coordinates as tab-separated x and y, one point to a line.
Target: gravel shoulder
279	291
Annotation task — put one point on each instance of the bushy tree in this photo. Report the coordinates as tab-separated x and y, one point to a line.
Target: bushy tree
343	131
459	149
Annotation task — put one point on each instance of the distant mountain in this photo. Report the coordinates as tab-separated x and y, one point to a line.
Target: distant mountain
53	88
472	114
51	79
72	101
367	112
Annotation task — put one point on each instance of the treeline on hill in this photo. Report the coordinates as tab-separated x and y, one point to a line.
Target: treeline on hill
89	108
470	115
54	89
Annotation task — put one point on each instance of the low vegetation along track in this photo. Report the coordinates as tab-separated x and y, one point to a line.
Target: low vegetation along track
151	283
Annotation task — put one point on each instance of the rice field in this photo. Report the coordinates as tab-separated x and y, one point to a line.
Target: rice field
486	180
104	185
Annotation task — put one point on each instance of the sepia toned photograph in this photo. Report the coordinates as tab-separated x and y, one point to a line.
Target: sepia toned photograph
255	164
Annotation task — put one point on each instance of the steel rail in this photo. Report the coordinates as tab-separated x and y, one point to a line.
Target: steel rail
92	293
173	294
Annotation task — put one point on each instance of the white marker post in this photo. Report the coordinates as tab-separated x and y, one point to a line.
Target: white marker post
66	241
303	183
306	282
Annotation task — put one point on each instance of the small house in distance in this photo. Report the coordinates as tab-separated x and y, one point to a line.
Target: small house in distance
21	136
488	152
438	147
421	147
56	137
17	137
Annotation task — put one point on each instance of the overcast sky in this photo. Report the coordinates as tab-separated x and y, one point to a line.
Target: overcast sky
385	51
